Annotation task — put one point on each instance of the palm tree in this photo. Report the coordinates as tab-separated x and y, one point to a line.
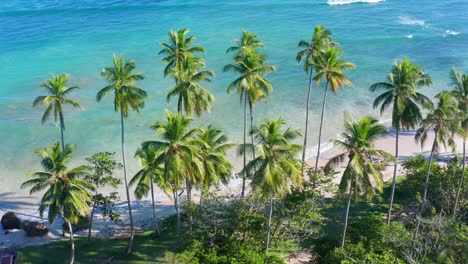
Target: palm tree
441	118
400	92
127	96
193	97
213	146
361	177
145	178
330	67
177	153
249	41
68	195
460	92
177	49
56	100
320	39
251	85
275	168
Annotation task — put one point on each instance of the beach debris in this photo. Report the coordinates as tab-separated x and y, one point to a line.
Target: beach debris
34	228
10	221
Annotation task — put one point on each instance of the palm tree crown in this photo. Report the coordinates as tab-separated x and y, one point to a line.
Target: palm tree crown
320	40
331	67
177	49
123	82
68	193
57	89
400	92
193	97
277	166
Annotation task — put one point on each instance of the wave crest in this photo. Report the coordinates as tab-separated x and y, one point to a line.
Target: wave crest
406	20
346	2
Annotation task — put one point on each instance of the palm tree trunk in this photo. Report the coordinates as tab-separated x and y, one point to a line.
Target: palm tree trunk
251	135
426	184
270	213
72	243
320	130
394	178
460	184
343	238
92	215
306	123
157	232
244	175
130	240
62	128
176	205
188	186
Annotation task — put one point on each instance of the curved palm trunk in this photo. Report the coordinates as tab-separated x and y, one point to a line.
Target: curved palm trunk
251	135
460	184
320	130
343	238
392	194
157	232
176	205
130	240
426	184
270	213
72	243
62	128
188	186
244	175
306	123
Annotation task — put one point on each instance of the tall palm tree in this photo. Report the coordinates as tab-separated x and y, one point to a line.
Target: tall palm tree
331	67
56	100
177	49
213	146
145	178
193	97
400	92
251	85
68	195
460	92
276	168
441	118
177	153
361	177
320	39
128	97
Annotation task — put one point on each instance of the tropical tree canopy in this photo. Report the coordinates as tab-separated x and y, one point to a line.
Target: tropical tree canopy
276	165
177	150
247	43
358	140
460	91
123	82
329	66
67	194
320	40
400	92
442	118
193	97
177	49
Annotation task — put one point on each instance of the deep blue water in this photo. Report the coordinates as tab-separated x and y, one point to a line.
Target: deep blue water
39	37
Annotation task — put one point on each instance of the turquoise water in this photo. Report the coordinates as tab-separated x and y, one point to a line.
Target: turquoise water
39	37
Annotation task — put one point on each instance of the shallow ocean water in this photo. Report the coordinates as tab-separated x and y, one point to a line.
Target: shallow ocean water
39	37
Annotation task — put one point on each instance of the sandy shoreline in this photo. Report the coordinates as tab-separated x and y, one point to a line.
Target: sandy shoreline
25	206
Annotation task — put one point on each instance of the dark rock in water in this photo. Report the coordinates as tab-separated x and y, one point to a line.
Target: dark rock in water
83	223
10	221
34	228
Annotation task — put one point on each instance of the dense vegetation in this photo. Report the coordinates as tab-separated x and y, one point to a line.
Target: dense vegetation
286	209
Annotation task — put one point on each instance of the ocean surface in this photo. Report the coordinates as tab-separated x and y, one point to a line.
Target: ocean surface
39	37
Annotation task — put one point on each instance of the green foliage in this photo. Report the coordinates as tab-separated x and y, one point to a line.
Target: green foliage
442	187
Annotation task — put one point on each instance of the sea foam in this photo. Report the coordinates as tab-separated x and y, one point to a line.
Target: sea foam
451	32
346	2
406	20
